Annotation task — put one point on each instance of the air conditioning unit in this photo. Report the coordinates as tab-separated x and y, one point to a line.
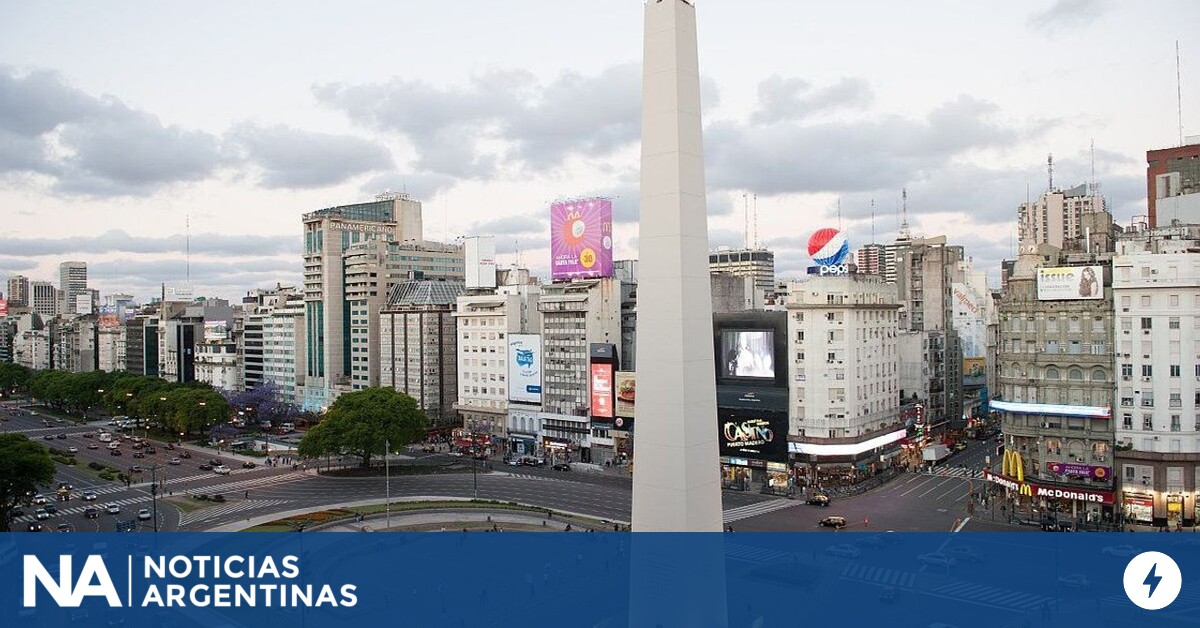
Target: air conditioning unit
1145	379
1045	426
1126	378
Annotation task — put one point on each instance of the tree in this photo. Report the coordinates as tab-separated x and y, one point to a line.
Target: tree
24	466
360	422
13	377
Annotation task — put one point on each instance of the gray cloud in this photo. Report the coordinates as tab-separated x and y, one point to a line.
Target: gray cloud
292	158
781	99
1069	14
507	226
423	185
117	241
37	102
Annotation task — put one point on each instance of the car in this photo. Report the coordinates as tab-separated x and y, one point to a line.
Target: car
93	446
58	420
845	550
144	514
819	499
111	422
61	436
114	445
833	522
51	508
960	447
41	514
936	559
248	465
221	470
136	469
48	437
34	527
89	496
215	462
138	454
72	449
964	553
512	462
91	512
89	435
562	466
39	499
112	509
115	452
174	462
151	451
170	446
871	541
1121	551
66	486
185	454
1075	581
64	527
204	466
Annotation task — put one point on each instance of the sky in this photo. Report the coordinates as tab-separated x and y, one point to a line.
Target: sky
124	122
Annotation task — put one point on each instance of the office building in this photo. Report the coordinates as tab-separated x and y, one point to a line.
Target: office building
18	291
45	298
1156	297
272	340
1173	183
1059	218
758	264
418	345
181	329
72	283
110	348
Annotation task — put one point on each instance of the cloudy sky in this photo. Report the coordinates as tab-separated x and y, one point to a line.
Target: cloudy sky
121	121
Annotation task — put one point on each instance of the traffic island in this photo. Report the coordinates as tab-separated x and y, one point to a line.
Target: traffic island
429	513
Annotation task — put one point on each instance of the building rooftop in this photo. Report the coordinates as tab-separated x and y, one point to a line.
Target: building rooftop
425	293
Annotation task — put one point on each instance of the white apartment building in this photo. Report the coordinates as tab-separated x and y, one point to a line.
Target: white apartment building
272	340
218	364
1156	298
110	345
484	322
1057	217
842	340
574	315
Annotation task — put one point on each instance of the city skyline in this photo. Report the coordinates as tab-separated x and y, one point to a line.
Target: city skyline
489	127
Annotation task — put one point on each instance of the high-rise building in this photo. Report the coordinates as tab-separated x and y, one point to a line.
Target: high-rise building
45	298
418	345
181	329
1156	296
272	340
758	264
72	282
1059	218
110	349
328	233
1056	385
485	319
18	291
1173	183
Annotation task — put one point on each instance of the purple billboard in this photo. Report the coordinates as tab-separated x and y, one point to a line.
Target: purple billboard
1081	470
581	239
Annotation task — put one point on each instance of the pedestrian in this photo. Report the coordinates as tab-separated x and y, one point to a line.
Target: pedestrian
568	527
247	495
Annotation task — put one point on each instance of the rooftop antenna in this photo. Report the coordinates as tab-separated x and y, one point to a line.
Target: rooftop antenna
187	247
839	210
1093	184
746	217
755	220
872	221
1050	169
1178	92
904	209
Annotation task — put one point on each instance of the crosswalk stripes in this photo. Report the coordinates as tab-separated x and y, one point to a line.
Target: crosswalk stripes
992	596
955	472
751	554
206	514
526	476
230	486
755	509
879	575
76	510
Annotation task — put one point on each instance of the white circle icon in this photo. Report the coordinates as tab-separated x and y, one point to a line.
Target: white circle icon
1152	580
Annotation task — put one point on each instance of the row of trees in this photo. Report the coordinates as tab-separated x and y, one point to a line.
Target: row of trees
181	408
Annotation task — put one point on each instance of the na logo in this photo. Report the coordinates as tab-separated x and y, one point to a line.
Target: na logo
66	592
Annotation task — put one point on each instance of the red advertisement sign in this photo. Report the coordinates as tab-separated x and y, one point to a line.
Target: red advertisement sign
602	391
3	307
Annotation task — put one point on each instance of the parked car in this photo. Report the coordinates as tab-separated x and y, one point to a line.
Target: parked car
936	559
51	508
144	514
151	451
39	499
183	453
844	550
135	469
115	452
170	447
72	449
48	437
138	454
833	522
959	447
215	462
64	527
93	446
61	436
818	500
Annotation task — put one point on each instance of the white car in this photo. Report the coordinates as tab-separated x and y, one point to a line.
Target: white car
39	499
41	514
1122	551
936	559
849	551
112	509
144	514
89	496
72	450
1075	581
221	469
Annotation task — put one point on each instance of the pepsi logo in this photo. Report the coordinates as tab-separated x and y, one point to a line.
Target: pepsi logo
828	247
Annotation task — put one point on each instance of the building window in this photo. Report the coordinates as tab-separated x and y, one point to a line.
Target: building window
1127	421
1174	422
1147	370
1098	375
1146	322
1145	298
1148	398
1075	374
1174	300
1147	422
1174	370
1173	322
1176	400
1127	370
1052	373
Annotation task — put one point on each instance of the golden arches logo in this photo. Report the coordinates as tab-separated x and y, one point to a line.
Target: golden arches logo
1026	489
1013	466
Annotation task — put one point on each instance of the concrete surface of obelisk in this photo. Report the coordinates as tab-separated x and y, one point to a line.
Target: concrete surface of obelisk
676	471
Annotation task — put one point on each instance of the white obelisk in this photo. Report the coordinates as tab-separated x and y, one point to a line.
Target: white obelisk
676	471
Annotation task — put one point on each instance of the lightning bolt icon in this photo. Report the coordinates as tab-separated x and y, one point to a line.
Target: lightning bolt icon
1152	580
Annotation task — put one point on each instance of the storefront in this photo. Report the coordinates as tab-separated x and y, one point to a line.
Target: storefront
521	445
752	435
1174	509
1138	508
1081	504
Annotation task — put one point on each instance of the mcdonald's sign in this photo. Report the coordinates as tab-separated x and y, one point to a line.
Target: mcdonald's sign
1013	465
1026	490
1031	489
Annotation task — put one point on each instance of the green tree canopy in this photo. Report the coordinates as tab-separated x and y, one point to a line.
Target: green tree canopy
24	467
360	422
13	376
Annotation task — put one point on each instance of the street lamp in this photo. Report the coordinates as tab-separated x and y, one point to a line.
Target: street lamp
154	493
387	475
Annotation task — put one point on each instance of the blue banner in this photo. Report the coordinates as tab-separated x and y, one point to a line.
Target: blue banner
600	579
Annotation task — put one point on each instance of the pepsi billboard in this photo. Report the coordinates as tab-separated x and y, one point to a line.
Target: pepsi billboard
829	249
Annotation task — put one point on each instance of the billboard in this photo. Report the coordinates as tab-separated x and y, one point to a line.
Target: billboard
748	353
83	304
1070	283
3	307
757	435
480	257
581	243
625	385
525	368
829	249
215	330
602	391
110	317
